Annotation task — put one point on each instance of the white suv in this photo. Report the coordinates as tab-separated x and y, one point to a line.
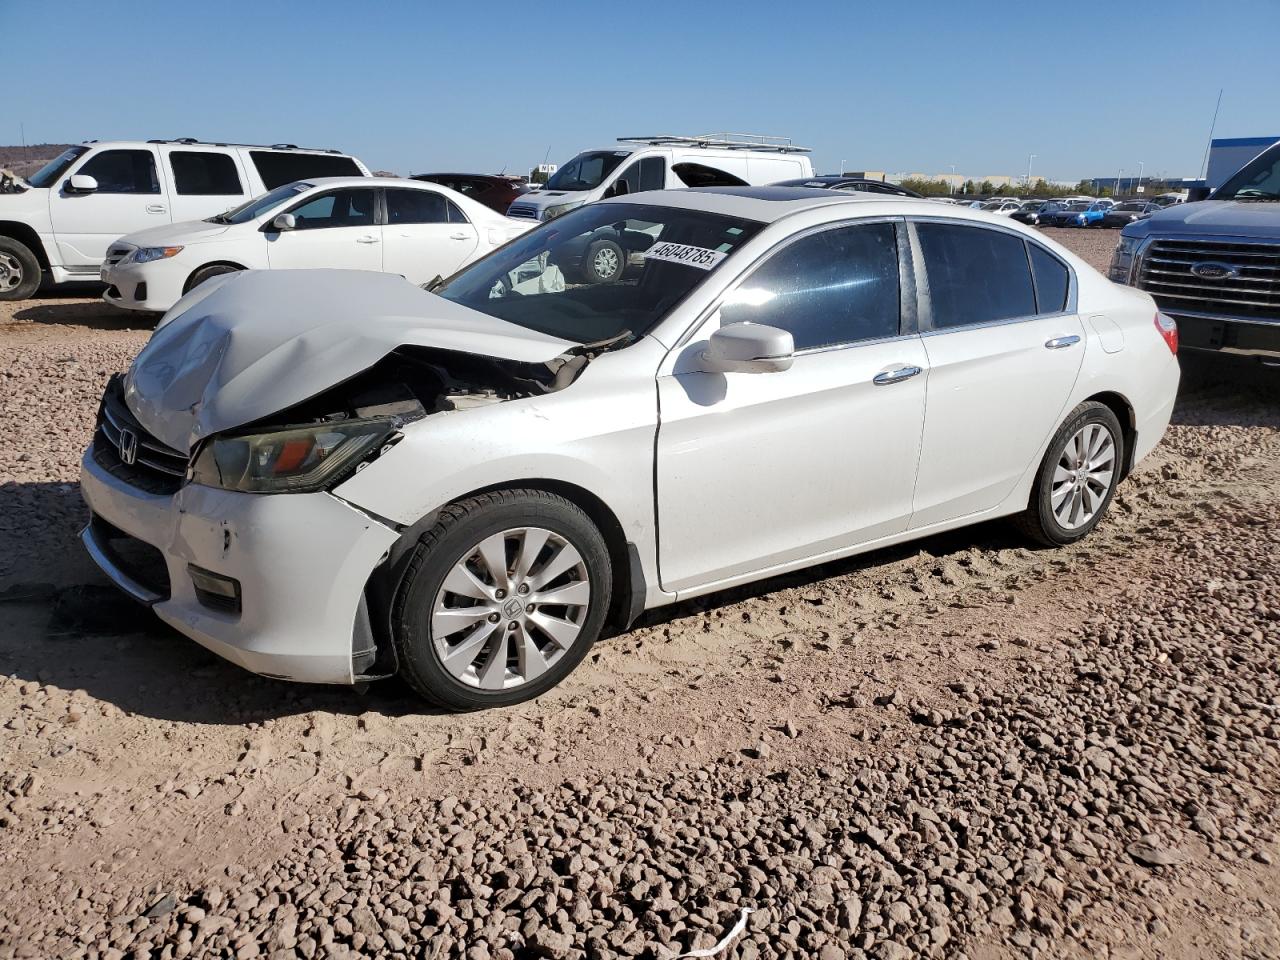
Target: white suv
64	217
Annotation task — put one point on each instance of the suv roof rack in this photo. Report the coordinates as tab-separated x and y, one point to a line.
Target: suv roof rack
192	141
725	141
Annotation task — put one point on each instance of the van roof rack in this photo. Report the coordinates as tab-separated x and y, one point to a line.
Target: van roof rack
192	141
725	141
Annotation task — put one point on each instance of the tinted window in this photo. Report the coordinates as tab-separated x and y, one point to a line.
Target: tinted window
204	174
837	286
416	206
586	171
455	215
123	171
1052	280
277	169
975	275
342	208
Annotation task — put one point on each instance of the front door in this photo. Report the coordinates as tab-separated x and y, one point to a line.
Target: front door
129	198
336	229
756	471
1004	349
426	235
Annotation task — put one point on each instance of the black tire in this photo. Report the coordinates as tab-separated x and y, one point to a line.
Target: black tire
204	273
1039	521
19	270
600	255
456	534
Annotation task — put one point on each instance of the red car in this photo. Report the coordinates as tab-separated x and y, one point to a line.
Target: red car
494	191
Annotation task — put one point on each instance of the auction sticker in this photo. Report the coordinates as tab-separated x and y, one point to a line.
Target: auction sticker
699	257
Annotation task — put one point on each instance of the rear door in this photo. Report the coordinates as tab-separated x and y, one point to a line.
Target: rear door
1005	346
130	197
337	228
203	182
760	470
425	235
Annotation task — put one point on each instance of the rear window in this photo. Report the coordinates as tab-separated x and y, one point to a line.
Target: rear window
277	169
200	174
976	275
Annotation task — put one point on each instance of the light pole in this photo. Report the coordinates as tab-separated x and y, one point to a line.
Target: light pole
1141	164
1029	159
952	182
1119	174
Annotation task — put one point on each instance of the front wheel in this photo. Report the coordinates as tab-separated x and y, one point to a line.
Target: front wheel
204	273
1077	477
501	599
19	270
604	262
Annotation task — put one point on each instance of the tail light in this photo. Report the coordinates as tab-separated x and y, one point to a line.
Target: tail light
1168	329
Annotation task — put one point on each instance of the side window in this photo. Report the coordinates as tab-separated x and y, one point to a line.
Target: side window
976	275
455	214
277	169
204	174
416	206
342	208
834	287
123	171
653	173
1052	280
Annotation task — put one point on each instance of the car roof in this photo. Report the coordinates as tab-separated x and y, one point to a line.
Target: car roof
371	182
768	204
188	144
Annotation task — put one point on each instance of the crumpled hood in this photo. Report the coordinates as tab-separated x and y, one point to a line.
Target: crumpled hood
175	234
243	346
1213	218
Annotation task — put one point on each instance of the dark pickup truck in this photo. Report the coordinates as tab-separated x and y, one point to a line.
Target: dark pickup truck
1214	265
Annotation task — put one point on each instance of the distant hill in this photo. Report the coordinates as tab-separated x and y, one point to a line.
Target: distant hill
25	161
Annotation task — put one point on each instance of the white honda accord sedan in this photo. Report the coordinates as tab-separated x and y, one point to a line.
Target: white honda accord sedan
407	227
335	476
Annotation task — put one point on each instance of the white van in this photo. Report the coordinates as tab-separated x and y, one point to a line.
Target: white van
62	219
664	163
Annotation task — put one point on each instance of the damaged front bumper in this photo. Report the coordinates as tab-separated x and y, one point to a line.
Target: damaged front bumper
300	563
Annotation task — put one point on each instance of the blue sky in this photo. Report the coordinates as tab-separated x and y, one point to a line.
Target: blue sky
410	87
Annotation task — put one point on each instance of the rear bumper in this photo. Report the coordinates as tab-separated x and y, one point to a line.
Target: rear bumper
301	562
1232	336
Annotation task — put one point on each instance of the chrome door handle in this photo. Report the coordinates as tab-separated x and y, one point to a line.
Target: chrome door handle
366	240
457	236
894	376
155	208
1057	343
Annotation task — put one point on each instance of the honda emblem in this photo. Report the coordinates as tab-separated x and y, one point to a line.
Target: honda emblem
128	447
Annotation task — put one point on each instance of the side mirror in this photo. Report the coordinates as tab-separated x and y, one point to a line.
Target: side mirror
82	183
749	348
284	221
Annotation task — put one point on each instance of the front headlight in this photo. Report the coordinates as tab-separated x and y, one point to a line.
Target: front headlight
1122	259
147	254
299	460
550	213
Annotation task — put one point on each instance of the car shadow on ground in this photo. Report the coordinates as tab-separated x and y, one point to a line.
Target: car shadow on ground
99	314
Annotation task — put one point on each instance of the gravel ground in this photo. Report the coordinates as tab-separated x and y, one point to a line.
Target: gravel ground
958	748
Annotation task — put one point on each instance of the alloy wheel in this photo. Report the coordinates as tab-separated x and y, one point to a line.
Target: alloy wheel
10	271
510	608
1083	476
605	262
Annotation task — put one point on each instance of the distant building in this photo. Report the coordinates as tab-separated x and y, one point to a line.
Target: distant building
1228	156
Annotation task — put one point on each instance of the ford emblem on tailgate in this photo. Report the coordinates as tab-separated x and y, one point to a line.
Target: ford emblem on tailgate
1212	270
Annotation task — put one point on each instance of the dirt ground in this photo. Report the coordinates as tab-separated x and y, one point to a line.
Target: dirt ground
962	747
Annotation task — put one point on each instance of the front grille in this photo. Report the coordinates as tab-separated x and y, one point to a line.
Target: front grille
116	254
526	210
156	468
1254	293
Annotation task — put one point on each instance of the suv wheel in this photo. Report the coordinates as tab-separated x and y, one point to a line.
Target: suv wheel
1077	477
604	262
19	270
501	599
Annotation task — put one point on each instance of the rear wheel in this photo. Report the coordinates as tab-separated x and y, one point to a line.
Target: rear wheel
501	599
19	270
1077	477
204	273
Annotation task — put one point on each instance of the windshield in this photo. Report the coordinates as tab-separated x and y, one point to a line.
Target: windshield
1259	179
47	175
587	171
260	205
601	272
1132	206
